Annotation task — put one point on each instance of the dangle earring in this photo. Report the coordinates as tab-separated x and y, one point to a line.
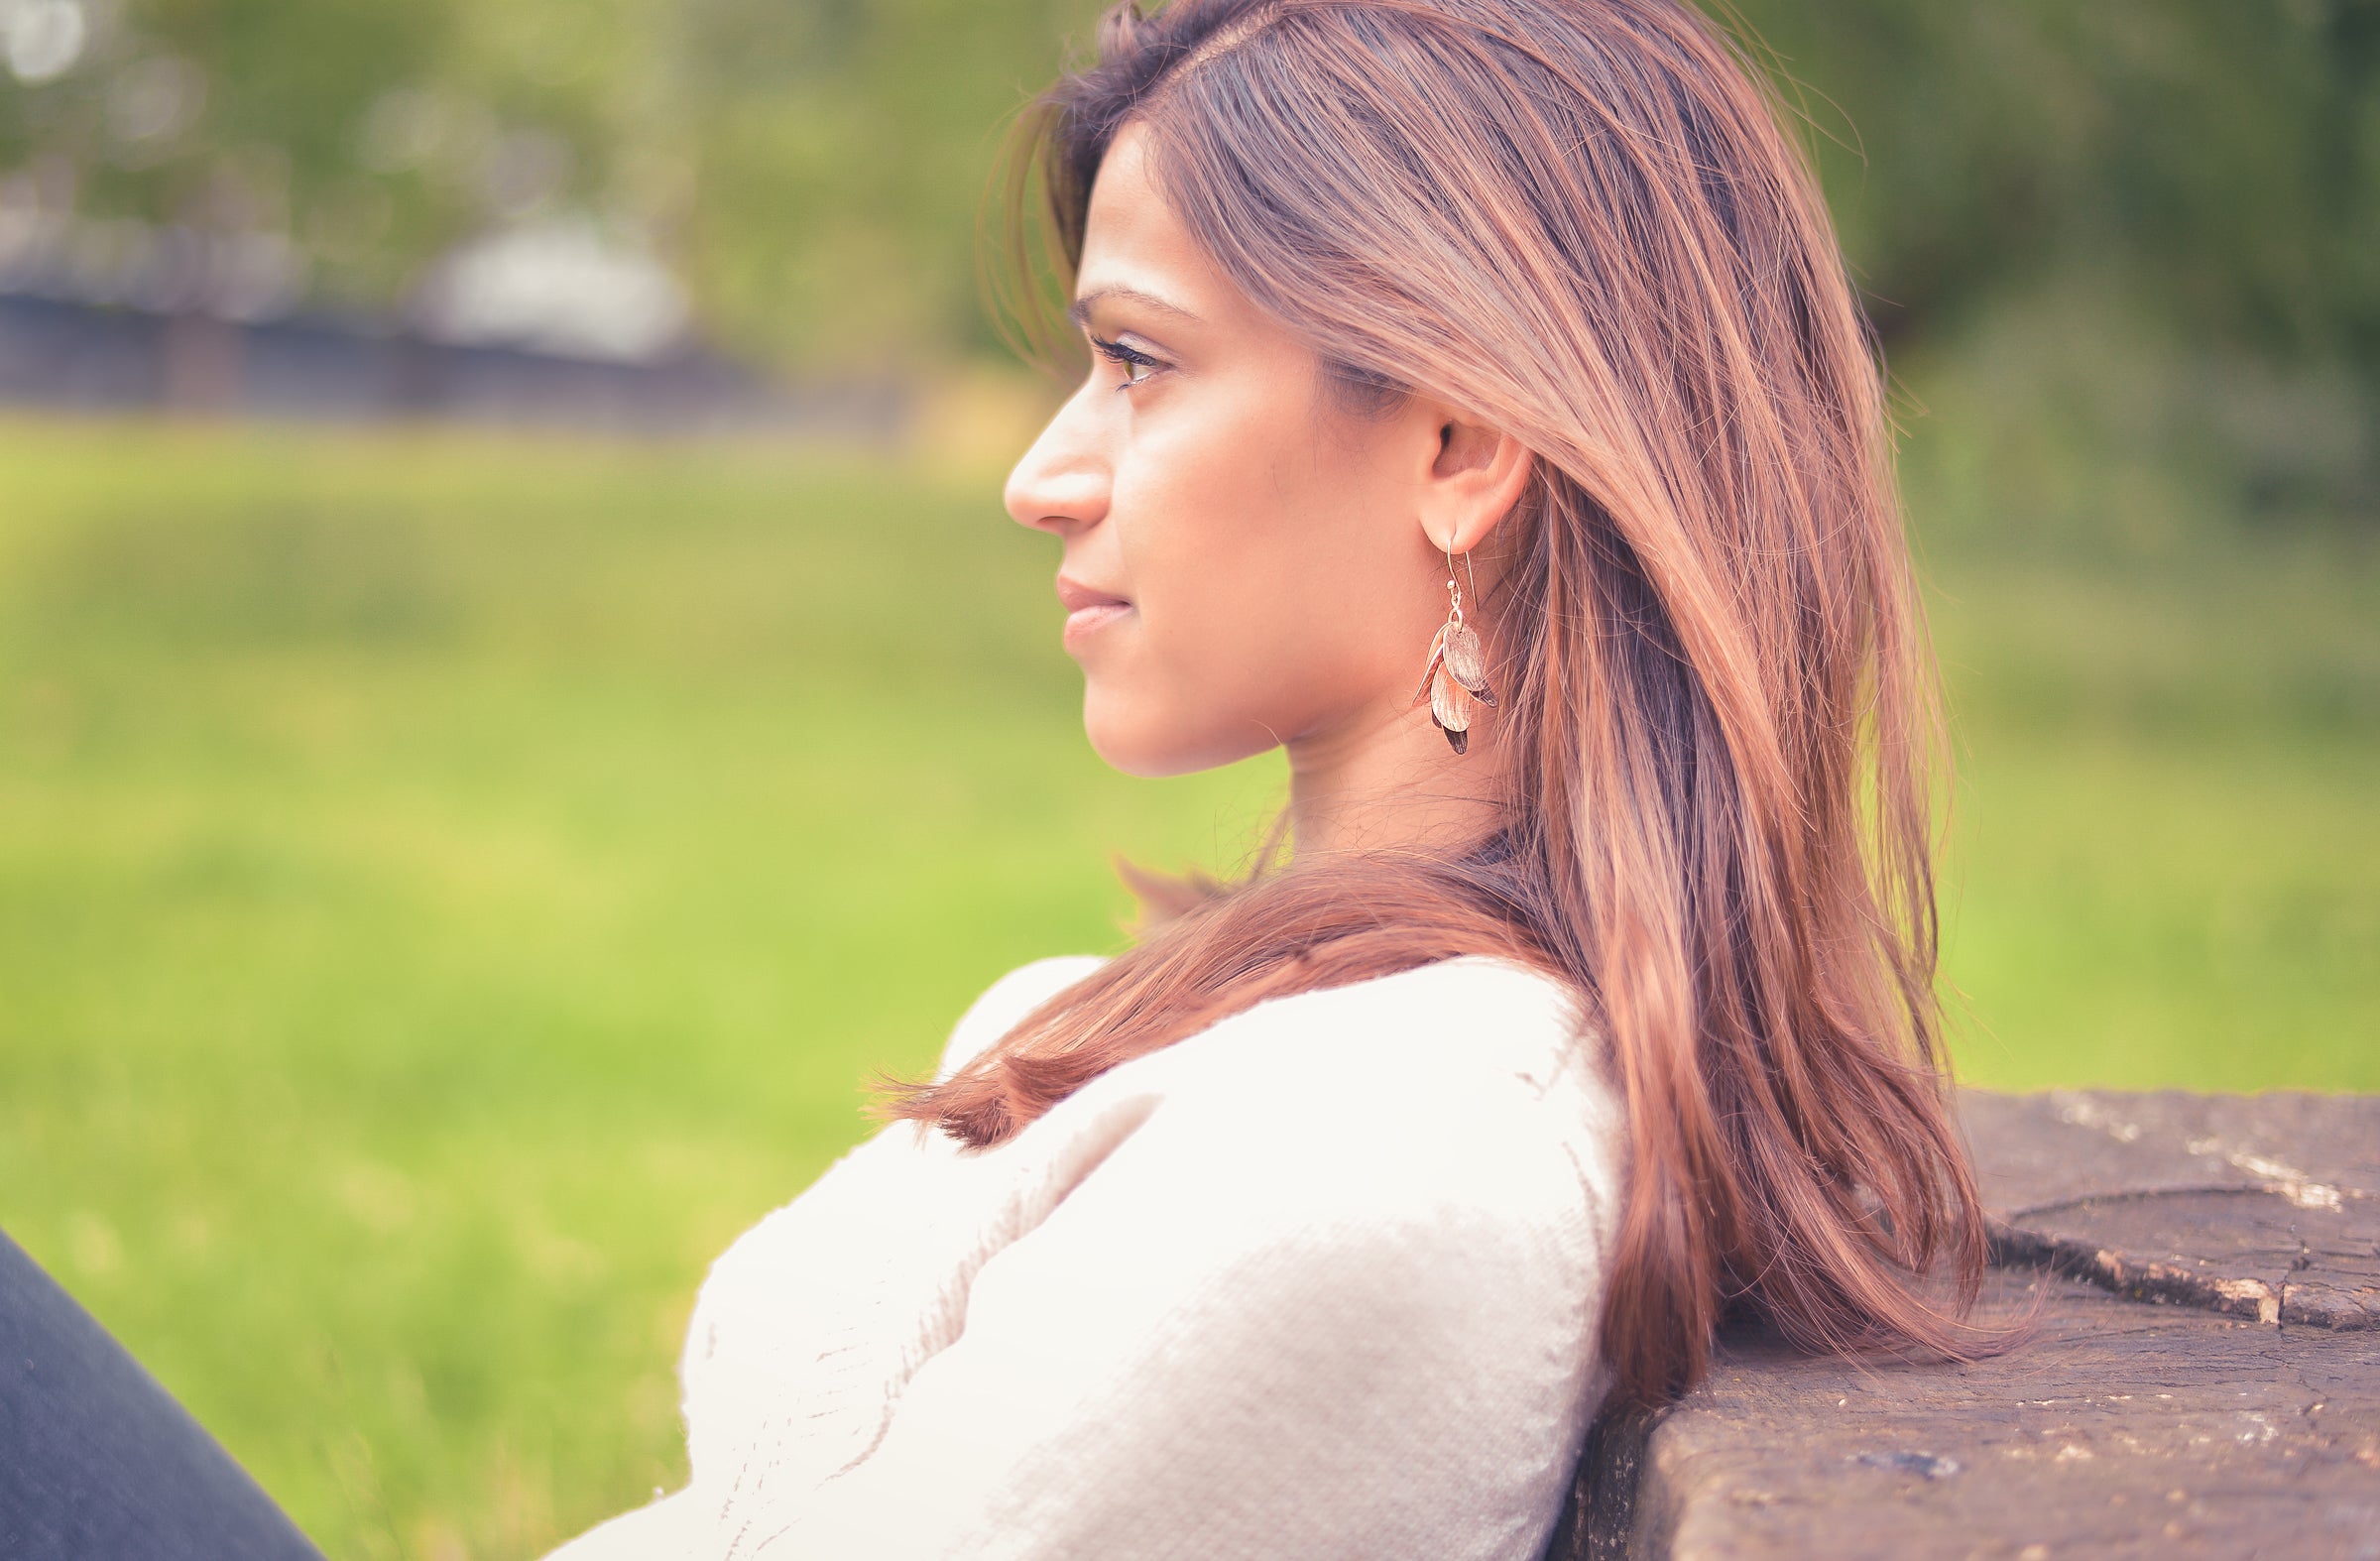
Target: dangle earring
1456	677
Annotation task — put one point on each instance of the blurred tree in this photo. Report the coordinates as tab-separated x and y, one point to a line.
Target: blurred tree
813	169
229	118
2202	174
2224	156
842	149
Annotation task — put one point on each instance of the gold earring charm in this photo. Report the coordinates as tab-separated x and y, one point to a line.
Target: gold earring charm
1456	677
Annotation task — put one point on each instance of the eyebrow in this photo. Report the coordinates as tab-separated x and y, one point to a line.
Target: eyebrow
1079	311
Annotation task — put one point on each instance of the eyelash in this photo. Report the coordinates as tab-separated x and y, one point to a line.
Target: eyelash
1127	357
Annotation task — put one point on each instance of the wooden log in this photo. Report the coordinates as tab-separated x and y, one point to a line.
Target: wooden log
2119	1429
2202	1377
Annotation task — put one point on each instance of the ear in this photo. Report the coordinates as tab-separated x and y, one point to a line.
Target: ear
1474	475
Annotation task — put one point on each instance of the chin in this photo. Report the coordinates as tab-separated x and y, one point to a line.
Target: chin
1144	738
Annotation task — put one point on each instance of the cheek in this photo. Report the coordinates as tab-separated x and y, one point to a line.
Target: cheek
1262	564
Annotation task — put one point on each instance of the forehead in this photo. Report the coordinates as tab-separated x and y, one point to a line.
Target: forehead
1133	241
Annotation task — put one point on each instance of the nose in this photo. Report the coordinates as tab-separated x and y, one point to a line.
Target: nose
1061	484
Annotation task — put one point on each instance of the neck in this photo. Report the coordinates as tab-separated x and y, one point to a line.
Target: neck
1387	781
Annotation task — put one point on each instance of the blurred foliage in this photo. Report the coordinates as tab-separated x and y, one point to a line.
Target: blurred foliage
814	166
2224	156
810	167
2189	189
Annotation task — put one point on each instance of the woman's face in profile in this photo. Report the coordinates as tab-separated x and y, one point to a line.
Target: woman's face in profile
1266	543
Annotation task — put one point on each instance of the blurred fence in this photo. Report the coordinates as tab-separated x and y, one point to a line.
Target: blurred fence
62	353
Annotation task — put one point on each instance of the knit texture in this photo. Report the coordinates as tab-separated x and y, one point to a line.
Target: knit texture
1323	1280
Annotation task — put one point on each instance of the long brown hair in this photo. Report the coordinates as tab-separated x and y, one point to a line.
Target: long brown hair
1582	221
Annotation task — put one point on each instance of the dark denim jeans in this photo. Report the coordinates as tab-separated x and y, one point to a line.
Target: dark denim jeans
97	1462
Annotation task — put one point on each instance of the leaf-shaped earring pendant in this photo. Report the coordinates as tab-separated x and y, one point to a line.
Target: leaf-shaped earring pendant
1466	660
1450	708
1455	677
1437	655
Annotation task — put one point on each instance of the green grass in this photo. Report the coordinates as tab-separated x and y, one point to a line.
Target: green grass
449	887
2165	853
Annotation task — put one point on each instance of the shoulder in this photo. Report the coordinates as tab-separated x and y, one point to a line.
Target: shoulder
1476	1078
1425	1036
1001	1004
1449	1098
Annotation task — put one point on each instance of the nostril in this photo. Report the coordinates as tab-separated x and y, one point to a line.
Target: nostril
1058	505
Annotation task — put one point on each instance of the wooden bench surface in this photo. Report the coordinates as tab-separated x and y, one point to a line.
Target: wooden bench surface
2204	1378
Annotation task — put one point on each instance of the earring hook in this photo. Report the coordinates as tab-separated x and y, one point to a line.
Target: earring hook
1469	567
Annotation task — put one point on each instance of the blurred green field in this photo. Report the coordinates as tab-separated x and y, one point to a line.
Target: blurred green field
450	886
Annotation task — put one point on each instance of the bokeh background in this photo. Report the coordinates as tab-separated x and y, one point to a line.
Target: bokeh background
515	688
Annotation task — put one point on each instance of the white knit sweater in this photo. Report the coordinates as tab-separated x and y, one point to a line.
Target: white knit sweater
1320	1281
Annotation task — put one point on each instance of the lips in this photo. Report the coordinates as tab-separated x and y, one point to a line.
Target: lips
1076	595
1088	609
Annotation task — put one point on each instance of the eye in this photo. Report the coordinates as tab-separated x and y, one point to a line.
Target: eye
1137	366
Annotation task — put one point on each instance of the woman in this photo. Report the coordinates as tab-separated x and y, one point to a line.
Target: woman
1501	344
